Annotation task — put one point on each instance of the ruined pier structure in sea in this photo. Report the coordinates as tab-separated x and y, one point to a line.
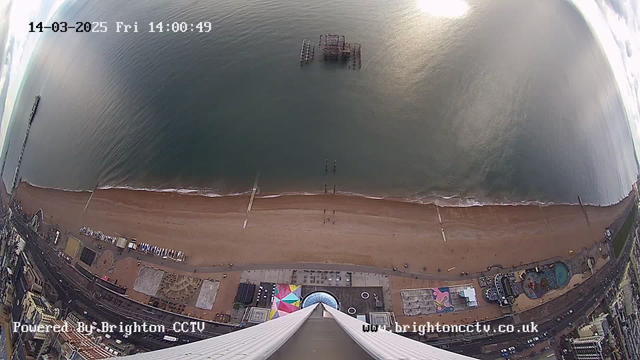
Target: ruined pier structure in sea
334	48
306	52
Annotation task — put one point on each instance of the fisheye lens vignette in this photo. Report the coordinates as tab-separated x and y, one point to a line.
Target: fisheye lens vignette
425	179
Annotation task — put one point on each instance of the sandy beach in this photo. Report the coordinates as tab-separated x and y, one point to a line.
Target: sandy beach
289	229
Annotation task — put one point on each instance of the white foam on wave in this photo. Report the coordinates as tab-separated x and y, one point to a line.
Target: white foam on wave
292	193
181	191
55	188
442	201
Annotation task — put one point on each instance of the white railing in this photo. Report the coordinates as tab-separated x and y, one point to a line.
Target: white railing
256	342
387	345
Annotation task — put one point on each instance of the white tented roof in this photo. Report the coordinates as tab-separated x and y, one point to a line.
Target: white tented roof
470	294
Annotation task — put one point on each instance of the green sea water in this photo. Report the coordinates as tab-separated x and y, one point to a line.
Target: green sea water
511	101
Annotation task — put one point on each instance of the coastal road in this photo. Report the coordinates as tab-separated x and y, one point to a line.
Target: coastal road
549	324
472	347
71	300
593	290
74	296
467	348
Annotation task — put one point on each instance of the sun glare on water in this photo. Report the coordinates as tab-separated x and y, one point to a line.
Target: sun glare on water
22	13
444	8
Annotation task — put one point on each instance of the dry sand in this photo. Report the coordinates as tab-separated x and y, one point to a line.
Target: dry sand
290	229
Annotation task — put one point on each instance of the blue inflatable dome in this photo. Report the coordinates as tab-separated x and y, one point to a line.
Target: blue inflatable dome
320	297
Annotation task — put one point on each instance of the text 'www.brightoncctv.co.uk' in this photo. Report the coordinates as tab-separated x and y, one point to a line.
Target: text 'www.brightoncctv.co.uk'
428	327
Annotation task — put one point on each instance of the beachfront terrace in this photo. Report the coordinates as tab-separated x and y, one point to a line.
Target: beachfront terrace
175	291
358	294
440	300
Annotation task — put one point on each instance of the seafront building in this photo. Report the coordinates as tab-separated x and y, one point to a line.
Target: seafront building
598	326
624	312
74	345
589	348
38	313
618	324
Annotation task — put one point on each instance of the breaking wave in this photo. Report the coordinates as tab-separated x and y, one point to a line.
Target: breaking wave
442	201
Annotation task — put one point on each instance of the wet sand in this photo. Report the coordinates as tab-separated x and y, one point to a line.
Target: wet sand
291	229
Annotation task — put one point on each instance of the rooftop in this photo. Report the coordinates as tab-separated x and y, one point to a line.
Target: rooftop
82	343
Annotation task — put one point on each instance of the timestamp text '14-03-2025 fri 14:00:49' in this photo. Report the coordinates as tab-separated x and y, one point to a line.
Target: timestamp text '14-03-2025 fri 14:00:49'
121	27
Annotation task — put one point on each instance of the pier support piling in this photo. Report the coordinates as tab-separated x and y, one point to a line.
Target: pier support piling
24	144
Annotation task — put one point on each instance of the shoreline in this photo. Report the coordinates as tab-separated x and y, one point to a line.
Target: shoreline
368	232
439	201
